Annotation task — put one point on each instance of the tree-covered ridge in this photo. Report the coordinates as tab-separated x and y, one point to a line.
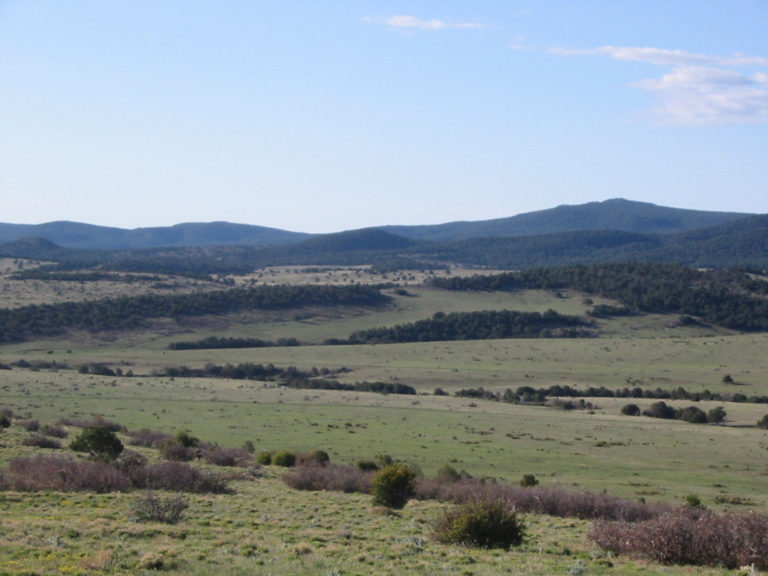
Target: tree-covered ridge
118	313
475	326
730	298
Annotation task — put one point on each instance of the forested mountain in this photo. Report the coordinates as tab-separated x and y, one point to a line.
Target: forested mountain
739	242
615	214
87	236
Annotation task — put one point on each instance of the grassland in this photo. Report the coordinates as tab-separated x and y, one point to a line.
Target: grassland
266	528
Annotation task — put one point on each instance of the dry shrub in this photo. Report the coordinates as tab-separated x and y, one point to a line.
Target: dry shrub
179	476
41	442
329	477
178	452
55	431
540	500
484	523
318	457
30	425
148	438
64	474
225	456
690	536
152	508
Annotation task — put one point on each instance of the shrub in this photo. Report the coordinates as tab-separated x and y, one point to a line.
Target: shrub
660	410
315	457
224	456
64	474
30	425
148	438
100	443
41	442
528	481
716	415
152	508
763	422
179	476
630	410
484	523
393	486
54	431
186	439
284	458
693	415
690	536
264	458
448	474
177	452
249	447
329	477
371	466
5	421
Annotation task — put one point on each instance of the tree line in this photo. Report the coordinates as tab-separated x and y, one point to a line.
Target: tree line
488	324
128	311
731	298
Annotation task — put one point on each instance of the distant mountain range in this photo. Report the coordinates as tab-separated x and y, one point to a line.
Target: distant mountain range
614	230
617	215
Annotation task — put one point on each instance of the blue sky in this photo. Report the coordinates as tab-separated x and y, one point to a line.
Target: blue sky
321	116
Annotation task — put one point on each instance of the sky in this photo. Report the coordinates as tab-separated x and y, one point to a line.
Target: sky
321	116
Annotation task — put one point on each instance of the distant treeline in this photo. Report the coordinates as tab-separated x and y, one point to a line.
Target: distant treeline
474	326
730	297
215	343
291	377
530	395
126	312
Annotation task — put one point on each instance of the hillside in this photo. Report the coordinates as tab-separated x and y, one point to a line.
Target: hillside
616	214
88	236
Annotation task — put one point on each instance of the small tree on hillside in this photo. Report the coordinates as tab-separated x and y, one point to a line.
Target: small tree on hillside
100	443
393	486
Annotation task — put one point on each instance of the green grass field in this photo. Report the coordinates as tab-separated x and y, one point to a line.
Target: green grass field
267	528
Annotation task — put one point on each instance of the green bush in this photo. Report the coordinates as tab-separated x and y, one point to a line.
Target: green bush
484	523
393	486
265	458
100	443
631	410
284	458
763	422
371	466
528	481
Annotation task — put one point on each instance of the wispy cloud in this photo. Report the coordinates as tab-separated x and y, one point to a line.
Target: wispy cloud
407	21
699	89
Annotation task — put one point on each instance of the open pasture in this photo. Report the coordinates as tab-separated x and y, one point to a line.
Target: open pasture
266	528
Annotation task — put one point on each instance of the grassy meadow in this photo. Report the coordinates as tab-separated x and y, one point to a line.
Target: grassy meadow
264	527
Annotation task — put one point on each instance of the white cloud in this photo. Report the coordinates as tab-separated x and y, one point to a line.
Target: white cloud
407	21
699	88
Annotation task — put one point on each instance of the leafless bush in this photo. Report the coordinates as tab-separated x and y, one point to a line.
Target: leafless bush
54	431
151	507
540	500
148	438
177	452
225	456
93	422
41	442
690	536
179	476
64	474
329	477
29	424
